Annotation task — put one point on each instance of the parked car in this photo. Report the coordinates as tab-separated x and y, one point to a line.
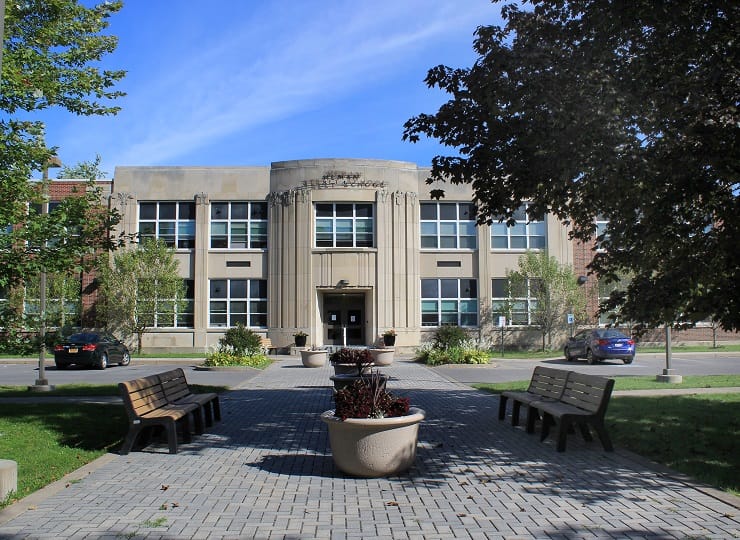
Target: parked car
97	349
599	344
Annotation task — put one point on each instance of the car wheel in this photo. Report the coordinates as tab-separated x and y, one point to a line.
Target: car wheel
590	357
568	357
61	366
126	360
628	360
103	361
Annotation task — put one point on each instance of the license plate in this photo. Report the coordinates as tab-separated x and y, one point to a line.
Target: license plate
73	350
621	344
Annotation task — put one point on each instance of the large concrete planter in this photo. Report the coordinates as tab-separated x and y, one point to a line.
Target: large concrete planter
382	357
374	447
313	359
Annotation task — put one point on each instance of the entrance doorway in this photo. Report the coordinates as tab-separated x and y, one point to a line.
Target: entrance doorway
344	319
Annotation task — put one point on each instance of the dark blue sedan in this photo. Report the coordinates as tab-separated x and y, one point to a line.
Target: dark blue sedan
599	344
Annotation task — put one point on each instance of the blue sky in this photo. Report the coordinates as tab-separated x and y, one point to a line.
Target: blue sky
247	82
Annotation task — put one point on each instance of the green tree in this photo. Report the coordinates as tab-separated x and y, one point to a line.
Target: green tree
89	170
554	291
141	289
63	298
49	56
628	110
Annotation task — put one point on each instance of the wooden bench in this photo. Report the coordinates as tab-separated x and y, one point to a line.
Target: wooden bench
546	384
267	345
165	400
178	392
582	403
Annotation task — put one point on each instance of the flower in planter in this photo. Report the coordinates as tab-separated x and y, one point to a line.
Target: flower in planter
360	358
300	334
389	332
368	398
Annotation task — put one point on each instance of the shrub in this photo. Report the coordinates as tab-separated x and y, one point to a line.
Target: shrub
241	341
225	359
449	336
467	353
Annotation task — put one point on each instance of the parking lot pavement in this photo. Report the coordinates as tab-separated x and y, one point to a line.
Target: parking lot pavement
265	471
646	364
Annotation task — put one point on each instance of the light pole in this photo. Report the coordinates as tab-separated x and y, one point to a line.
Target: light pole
42	384
669	375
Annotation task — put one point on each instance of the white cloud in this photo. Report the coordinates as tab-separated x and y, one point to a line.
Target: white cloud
277	62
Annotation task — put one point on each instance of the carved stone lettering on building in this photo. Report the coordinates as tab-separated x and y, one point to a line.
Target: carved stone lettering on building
342	179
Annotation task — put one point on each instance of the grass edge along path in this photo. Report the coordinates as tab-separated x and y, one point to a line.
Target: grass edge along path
694	434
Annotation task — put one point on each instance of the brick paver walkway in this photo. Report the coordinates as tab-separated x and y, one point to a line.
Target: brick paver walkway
266	471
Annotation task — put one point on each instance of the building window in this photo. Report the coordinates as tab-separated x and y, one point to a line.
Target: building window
601	224
63	300
233	301
449	301
167	313
344	225
524	234
239	225
516	303
173	222
448	226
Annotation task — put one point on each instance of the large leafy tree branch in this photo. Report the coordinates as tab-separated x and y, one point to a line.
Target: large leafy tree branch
625	110
52	50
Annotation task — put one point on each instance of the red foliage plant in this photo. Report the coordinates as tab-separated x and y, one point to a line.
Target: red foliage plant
368	398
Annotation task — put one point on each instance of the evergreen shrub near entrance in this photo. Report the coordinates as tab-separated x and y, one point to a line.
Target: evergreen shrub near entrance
239	346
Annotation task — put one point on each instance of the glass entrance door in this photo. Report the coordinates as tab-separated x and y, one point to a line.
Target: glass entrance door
344	319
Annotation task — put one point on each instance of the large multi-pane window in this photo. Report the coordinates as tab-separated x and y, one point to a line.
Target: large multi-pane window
344	225
62	297
168	312
239	225
233	301
524	234
449	301
448	226
173	222
516	302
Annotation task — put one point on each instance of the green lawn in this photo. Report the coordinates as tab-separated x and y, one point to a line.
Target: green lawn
50	440
696	434
636	383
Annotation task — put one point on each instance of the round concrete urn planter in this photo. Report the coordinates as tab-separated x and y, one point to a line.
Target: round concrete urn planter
351	369
382	357
374	447
313	359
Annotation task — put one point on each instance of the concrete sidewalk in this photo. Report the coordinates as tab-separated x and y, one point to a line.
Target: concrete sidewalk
266	471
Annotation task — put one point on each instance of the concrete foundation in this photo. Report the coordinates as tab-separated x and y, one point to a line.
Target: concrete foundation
669	376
